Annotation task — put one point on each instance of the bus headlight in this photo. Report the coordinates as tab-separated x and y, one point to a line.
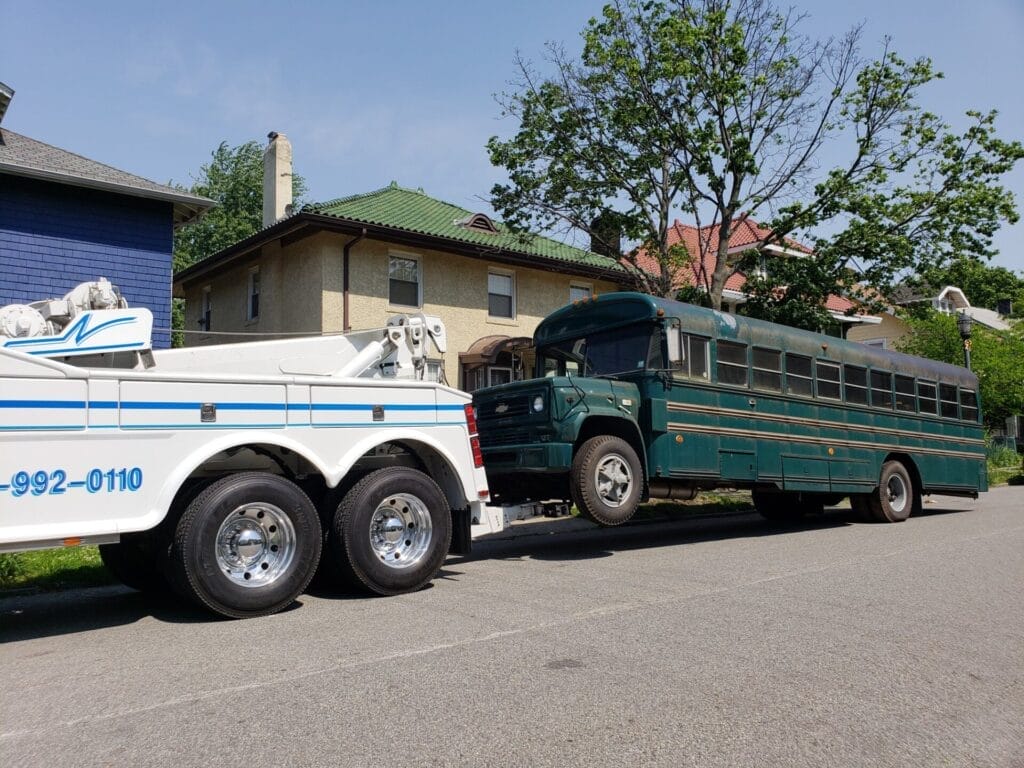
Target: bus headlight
538	404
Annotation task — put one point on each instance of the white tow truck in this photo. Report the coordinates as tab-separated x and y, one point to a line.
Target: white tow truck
230	472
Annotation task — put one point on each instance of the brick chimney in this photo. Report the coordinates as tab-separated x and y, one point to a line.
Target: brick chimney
277	178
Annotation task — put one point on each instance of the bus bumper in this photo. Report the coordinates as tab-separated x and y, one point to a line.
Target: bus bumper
533	457
537	471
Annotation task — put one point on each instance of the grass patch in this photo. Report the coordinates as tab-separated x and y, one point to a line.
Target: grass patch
1005	476
1004	466
53	569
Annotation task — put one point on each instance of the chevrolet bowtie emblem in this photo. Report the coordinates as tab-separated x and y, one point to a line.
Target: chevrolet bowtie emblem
501	408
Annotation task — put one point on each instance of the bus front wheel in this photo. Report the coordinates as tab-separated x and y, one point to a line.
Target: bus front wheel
606	480
894	498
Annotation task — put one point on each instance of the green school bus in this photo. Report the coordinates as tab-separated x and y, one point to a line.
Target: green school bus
637	397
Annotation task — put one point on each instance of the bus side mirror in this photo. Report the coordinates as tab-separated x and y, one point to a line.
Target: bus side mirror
675	346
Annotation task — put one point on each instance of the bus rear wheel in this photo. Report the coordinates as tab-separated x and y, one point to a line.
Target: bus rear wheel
895	497
606	480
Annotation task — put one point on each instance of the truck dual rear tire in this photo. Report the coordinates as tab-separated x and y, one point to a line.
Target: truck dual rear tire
606	480
246	546
391	532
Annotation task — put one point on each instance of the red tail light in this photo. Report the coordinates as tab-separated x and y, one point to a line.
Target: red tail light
478	457
470	418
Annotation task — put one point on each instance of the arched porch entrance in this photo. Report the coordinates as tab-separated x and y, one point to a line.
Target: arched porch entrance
492	360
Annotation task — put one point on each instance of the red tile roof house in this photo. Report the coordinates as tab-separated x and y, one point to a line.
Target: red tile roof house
702	244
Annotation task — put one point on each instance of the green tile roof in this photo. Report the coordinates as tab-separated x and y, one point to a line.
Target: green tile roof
413	210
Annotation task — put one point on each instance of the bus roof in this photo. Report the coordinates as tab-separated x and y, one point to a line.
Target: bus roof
613	310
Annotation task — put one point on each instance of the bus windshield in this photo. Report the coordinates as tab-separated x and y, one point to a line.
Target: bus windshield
603	353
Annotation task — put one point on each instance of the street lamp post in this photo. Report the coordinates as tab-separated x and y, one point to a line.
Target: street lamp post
963	323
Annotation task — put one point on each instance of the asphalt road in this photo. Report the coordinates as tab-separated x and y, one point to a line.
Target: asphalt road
720	641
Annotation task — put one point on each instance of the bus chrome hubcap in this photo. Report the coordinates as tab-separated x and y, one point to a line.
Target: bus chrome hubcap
897	491
613	480
255	545
400	531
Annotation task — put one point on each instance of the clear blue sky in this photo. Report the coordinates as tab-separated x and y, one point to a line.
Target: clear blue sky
369	92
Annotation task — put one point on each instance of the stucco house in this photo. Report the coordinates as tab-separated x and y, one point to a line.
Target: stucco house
66	219
351	263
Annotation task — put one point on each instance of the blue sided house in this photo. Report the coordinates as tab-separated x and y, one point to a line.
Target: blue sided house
65	219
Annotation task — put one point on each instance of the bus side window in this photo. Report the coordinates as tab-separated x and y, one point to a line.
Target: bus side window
926	397
856	385
732	363
968	405
947	397
767	369
697	349
905	394
881	389
798	375
828	380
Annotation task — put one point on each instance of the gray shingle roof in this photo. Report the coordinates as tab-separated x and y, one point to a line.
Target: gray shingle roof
22	156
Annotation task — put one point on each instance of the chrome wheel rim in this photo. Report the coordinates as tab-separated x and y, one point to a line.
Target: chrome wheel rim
613	480
255	545
896	490
400	531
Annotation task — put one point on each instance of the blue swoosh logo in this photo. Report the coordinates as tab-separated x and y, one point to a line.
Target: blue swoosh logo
78	332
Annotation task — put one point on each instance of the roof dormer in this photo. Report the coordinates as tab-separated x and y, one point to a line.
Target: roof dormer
479	222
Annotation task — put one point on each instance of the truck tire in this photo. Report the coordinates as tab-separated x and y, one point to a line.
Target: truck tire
135	562
606	480
391	531
895	497
246	546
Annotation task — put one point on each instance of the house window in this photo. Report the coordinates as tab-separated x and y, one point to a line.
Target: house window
252	311
879	343
205	309
404	286
496	375
501	300
579	291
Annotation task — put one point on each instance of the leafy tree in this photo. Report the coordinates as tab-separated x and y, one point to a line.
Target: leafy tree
234	179
995	356
715	109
